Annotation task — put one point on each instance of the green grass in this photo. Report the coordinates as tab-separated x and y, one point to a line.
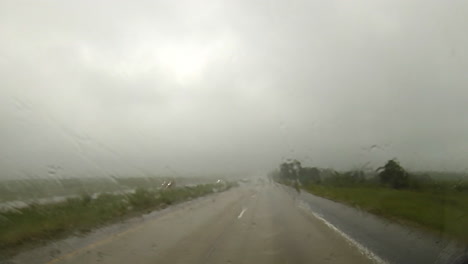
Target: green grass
36	188
43	222
442	212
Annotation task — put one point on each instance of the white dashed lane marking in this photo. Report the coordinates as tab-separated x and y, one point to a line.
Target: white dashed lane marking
242	213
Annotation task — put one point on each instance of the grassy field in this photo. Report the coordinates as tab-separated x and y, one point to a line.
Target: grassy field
35	188
442	211
43	222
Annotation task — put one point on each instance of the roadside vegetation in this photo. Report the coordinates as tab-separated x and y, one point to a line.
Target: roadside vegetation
433	202
36	188
77	215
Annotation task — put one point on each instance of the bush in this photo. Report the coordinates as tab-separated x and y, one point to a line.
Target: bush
142	198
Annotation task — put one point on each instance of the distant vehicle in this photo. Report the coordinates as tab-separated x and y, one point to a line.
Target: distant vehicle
168	184
221	182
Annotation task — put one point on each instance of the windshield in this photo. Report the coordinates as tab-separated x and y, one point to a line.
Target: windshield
233	131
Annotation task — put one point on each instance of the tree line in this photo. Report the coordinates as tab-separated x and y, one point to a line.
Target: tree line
391	175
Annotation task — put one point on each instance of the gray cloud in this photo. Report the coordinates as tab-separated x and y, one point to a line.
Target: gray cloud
231	87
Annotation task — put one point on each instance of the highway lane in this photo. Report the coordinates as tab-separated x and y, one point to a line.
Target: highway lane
248	224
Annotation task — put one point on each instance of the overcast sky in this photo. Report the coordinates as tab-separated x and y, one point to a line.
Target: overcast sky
193	87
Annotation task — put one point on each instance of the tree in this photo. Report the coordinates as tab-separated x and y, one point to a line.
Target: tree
309	175
393	174
290	170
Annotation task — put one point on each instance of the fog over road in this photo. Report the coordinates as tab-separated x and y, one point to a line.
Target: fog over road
262	223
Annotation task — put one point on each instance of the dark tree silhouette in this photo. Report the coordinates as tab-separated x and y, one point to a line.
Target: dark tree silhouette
393	174
309	175
290	170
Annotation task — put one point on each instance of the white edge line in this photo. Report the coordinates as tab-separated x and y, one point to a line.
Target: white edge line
362	249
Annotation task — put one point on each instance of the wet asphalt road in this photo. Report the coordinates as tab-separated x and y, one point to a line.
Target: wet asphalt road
262	223
391	242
